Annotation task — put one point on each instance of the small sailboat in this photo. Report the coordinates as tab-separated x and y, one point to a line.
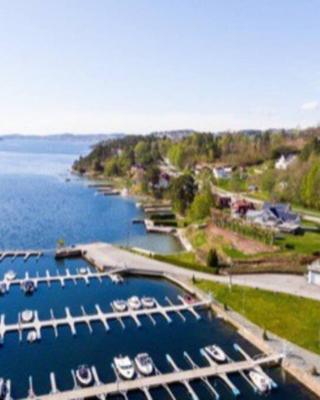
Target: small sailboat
10	275
148	302
216	353
119	305
261	382
144	364
28	286
27	316
84	375
134	303
5	389
124	366
32	336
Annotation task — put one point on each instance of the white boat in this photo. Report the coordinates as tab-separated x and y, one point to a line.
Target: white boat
84	375
148	302
119	305
134	303
10	275
83	271
5	389
124	366
144	364
28	286
262	383
116	278
27	316
216	353
124	192
32	336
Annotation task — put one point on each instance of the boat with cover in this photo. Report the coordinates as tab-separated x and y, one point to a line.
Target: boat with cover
84	375
10	275
32	336
119	305
144	364
5	389
260	381
134	303
148	302
27	316
28	286
216	353
124	366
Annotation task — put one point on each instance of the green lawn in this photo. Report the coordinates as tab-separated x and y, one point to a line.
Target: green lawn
293	318
307	243
185	260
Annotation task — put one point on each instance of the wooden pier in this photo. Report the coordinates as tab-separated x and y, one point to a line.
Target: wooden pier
144	384
69	320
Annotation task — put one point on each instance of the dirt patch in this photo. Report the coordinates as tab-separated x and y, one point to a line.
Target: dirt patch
241	243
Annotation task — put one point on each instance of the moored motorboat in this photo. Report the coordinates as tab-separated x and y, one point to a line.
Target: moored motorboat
134	303
124	367
216	353
83	271
5	389
28	286
148	302
116	278
261	382
32	336
27	316
84	375
188	298
3	288
144	364
10	275
119	305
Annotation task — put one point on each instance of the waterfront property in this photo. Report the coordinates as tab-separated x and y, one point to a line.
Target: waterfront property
76	324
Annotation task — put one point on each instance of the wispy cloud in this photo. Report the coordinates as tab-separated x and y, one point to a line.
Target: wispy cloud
310	105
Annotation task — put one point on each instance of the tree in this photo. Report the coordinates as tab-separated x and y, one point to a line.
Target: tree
268	181
111	167
182	192
201	205
142	152
212	259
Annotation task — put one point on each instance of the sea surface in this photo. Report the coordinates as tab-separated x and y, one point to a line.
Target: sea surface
39	205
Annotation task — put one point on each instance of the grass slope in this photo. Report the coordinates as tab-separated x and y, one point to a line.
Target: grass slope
294	318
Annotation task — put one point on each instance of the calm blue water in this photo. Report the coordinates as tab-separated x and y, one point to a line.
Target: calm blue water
38	206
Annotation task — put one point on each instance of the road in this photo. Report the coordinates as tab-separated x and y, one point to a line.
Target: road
106	254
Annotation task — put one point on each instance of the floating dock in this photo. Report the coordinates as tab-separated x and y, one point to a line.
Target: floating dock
69	320
144	384
26	254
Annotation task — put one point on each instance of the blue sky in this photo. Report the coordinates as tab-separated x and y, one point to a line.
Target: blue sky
143	65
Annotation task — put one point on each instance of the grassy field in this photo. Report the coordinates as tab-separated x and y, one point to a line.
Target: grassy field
185	260
293	318
307	243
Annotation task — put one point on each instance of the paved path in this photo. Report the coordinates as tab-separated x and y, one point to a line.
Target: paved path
103	254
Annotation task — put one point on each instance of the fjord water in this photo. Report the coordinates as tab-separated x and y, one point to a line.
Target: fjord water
38	205
19	360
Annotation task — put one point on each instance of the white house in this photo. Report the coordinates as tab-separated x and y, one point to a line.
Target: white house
222	172
285	161
314	273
